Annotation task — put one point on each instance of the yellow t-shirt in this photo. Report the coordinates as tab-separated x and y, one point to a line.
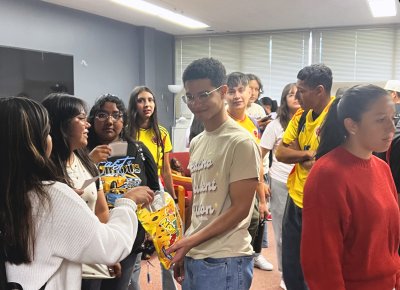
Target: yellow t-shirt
248	124
147	136
250	127
308	140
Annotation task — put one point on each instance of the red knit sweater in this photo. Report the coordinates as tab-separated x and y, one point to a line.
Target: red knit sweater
351	225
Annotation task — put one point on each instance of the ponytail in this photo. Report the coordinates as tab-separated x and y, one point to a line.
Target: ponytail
333	132
353	104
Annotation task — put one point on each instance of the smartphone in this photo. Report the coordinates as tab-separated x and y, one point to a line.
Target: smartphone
119	148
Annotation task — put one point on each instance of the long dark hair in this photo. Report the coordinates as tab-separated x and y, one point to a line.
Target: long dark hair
284	111
93	140
134	119
24	131
354	102
62	109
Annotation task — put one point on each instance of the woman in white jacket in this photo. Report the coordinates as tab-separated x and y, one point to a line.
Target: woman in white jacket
46	230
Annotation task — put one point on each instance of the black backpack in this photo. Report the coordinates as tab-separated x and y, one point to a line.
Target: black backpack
302	122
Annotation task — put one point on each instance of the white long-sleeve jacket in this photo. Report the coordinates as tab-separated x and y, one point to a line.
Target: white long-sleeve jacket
69	234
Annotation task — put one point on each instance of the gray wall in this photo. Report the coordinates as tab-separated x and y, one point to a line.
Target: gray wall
157	51
119	56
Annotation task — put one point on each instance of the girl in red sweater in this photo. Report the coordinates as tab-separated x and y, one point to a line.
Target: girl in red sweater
351	228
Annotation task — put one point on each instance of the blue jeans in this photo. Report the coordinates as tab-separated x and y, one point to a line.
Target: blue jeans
218	274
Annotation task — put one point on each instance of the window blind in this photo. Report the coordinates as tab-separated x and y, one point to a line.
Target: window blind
355	54
274	58
362	55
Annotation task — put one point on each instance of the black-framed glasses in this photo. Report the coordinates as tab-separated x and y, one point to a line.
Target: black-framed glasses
189	98
103	116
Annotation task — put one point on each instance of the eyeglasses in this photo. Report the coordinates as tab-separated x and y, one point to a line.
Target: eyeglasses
189	98
103	116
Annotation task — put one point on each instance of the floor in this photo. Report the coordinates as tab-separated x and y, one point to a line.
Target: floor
262	280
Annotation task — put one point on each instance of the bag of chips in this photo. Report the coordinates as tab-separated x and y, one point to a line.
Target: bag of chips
163	222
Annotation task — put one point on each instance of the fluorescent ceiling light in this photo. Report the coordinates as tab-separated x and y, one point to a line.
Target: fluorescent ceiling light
163	13
382	8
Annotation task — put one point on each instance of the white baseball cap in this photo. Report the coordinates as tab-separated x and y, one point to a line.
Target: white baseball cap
393	85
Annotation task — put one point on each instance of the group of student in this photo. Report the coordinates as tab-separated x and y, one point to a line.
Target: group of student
57	230
336	185
325	184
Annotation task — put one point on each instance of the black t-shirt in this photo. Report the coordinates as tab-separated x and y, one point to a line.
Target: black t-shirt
121	173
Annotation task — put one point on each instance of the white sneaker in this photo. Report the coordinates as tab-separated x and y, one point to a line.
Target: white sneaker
282	285
262	263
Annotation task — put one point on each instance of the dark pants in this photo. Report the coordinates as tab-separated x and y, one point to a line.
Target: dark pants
291	237
254	222
122	282
91	284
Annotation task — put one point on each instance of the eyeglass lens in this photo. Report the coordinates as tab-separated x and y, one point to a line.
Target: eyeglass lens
102	116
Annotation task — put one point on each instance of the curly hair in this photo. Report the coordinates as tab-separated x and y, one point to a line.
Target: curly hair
206	68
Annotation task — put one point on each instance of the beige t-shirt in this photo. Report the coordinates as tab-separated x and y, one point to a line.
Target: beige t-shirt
218	158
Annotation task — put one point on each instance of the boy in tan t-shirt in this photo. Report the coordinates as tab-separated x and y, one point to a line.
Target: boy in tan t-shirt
224	163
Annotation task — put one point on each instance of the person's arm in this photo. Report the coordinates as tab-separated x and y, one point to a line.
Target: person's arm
101	208
291	153
267	189
100	153
325	222
167	176
289	150
77	235
241	193
188	215
262	191
264	152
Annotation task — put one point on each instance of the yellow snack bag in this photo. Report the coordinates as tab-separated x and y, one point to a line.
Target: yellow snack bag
164	226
